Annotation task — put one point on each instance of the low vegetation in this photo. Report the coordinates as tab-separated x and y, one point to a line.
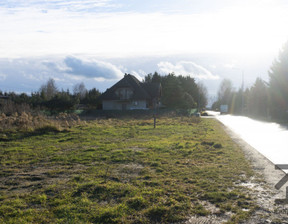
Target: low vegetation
24	123
123	171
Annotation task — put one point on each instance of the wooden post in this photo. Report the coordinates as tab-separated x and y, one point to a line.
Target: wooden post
155	107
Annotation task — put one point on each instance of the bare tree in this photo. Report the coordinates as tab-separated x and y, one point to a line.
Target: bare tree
80	90
225	91
203	95
49	89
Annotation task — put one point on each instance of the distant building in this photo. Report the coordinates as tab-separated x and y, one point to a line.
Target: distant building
131	94
223	109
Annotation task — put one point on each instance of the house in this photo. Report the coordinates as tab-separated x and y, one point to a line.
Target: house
131	94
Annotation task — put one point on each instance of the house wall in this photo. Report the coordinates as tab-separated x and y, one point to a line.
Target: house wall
139	104
110	105
116	105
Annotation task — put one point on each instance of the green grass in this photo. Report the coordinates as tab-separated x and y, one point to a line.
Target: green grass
123	171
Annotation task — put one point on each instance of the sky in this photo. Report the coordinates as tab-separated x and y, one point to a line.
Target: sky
97	41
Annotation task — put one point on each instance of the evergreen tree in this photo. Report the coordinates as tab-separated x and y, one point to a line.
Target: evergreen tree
171	91
91	98
61	102
179	91
278	85
258	99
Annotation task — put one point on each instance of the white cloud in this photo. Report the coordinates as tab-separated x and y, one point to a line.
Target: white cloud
68	5
186	68
138	74
28	74
47	30
142	73
84	67
90	68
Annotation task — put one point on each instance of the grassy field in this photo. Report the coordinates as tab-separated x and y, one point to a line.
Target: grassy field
123	171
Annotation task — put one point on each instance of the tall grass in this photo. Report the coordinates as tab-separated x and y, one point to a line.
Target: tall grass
29	122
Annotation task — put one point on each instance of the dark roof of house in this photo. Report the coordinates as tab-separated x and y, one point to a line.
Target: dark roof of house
141	91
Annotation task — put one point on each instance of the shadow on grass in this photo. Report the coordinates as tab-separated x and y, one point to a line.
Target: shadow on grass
18	135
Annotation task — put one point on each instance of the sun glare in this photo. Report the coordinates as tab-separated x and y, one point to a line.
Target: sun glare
253	30
270	139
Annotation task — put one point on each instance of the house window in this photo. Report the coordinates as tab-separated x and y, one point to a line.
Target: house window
124	93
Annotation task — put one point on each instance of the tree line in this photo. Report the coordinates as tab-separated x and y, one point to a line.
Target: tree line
263	99
178	92
50	98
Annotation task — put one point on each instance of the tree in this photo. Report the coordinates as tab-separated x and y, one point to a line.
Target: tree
148	78
224	94
36	99
258	99
79	90
91	98
278	85
187	101
203	96
49	89
171	91
22	98
61	102
179	91
236	103
155	78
